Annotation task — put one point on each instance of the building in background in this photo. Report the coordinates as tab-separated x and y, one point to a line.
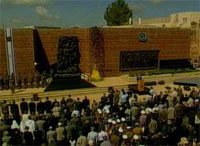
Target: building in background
189	20
113	50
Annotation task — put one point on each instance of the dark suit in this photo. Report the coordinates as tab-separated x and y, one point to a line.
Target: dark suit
48	106
86	103
15	112
28	138
24	107
32	107
40	107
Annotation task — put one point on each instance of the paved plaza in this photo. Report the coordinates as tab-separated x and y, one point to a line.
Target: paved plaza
101	87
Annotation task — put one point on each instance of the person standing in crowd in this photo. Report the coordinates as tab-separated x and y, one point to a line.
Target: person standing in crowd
31	125
28	137
31	79
60	134
6	139
32	107
197	125
92	135
56	110
123	97
82	140
25	80
5	109
44	79
105	142
78	105
139	77
51	136
2	83
152	126
157	122
40	107
48	105
24	106
19	81
37	79
12	82
7	86
15	111
85	102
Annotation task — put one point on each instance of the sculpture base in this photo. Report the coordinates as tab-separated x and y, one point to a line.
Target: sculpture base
68	81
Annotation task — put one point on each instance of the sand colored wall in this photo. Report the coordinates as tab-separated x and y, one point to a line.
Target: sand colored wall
3	59
49	39
24	50
172	43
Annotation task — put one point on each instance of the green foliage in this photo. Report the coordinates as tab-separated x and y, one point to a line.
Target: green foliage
118	13
161	71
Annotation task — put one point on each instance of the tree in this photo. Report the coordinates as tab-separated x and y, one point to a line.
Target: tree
118	13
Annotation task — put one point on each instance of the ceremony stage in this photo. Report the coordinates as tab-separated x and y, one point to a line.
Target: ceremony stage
194	81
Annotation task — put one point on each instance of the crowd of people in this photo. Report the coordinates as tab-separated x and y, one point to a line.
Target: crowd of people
23	80
120	118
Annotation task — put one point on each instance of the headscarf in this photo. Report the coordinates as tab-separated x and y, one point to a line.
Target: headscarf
14	125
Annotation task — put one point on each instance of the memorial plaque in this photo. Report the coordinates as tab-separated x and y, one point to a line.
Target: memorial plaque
138	60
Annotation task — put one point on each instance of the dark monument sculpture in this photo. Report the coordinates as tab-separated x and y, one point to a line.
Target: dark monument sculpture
68	58
68	74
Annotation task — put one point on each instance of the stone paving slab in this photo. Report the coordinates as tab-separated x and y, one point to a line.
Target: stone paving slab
107	82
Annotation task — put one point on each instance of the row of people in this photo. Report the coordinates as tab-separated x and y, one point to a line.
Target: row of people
23	80
118	119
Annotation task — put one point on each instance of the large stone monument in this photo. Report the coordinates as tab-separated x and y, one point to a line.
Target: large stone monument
68	73
68	58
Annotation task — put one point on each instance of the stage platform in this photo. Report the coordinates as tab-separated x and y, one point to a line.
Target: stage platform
67	84
194	81
133	89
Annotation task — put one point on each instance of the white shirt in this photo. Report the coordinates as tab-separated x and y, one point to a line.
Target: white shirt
174	94
31	125
197	120
25	117
152	92
72	143
22	126
123	97
75	113
14	125
92	136
101	135
170	112
190	102
106	107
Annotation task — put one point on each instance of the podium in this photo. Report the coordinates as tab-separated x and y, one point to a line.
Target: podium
140	85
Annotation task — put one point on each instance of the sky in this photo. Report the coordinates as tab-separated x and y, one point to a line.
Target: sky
82	13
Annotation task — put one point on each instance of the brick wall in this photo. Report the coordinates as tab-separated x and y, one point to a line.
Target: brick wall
195	45
49	39
3	62
24	50
172	43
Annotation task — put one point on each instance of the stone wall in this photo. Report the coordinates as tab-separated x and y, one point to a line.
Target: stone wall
24	50
195	45
172	43
3	60
49	39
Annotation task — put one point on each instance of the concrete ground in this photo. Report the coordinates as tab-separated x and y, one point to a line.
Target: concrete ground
101	87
